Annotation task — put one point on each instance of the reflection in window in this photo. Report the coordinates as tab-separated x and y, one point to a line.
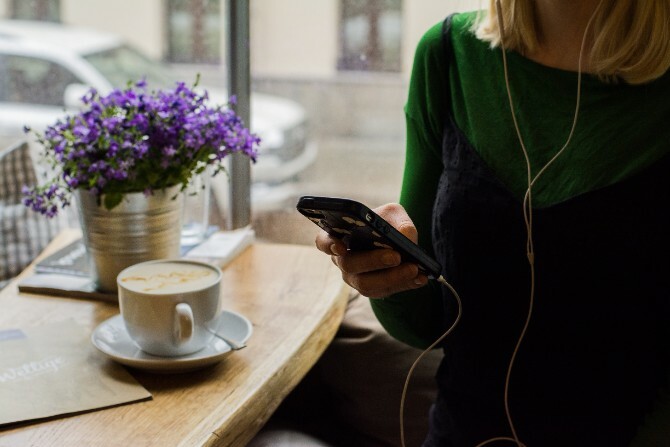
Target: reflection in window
123	64
194	31
34	81
370	35
47	10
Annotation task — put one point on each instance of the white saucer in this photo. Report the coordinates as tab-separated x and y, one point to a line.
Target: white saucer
112	339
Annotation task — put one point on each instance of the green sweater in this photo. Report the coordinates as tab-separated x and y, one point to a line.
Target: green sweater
621	130
632	122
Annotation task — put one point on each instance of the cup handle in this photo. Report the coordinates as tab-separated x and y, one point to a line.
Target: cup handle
183	323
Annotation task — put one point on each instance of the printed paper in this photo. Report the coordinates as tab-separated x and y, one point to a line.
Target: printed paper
54	369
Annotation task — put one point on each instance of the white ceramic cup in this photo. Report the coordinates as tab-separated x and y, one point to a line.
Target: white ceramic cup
170	307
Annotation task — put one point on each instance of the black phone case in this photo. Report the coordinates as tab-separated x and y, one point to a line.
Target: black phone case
362	229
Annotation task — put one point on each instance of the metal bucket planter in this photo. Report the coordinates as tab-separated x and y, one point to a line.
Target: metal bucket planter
141	228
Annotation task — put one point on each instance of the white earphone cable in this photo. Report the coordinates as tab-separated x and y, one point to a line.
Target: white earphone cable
530	252
459	306
528	202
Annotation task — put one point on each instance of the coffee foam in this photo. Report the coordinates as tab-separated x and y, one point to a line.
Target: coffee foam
162	278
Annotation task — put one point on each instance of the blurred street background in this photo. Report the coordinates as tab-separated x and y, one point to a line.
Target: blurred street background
336	81
367	170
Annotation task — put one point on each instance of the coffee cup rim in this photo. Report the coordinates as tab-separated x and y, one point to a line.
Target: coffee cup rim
219	274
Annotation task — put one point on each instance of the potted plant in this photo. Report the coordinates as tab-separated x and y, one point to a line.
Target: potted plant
130	153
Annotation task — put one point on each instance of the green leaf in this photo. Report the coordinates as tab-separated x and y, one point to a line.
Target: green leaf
112	199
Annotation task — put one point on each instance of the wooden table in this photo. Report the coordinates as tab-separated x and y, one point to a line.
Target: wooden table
293	296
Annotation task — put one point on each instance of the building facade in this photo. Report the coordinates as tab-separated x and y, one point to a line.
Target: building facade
289	38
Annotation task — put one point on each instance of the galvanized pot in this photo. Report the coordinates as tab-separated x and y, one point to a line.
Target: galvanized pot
141	228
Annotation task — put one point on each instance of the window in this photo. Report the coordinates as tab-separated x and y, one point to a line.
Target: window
370	35
308	121
122	64
34	81
194	31
47	10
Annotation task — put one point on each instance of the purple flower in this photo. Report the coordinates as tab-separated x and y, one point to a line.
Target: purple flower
72	182
135	140
169	151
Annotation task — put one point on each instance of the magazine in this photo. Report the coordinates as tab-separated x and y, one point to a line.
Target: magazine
69	260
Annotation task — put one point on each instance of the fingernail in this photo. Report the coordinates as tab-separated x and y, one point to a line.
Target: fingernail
420	280
390	259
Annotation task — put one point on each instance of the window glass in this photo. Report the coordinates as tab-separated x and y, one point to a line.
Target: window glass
34	81
328	80
194	31
370	35
48	10
123	64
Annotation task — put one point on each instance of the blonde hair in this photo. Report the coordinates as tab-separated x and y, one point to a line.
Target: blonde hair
630	38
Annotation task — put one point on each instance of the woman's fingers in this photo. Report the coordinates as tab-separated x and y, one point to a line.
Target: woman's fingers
355	262
330	245
395	214
382	283
380	272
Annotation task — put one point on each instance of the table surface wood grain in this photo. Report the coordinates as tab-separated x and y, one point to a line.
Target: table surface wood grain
295	300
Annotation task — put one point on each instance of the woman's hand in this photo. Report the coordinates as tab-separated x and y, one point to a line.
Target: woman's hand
376	273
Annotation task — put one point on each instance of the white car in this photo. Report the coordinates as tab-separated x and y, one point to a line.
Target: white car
45	68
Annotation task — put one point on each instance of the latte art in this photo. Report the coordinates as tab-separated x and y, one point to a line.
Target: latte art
168	277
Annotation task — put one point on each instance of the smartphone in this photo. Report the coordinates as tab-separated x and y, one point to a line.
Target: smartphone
362	229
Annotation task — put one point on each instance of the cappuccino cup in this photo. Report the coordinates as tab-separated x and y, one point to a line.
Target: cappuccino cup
170	307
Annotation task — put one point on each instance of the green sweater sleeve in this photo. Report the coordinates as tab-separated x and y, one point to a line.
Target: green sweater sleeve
415	317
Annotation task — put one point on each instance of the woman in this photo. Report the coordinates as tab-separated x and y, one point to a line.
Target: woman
564	338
